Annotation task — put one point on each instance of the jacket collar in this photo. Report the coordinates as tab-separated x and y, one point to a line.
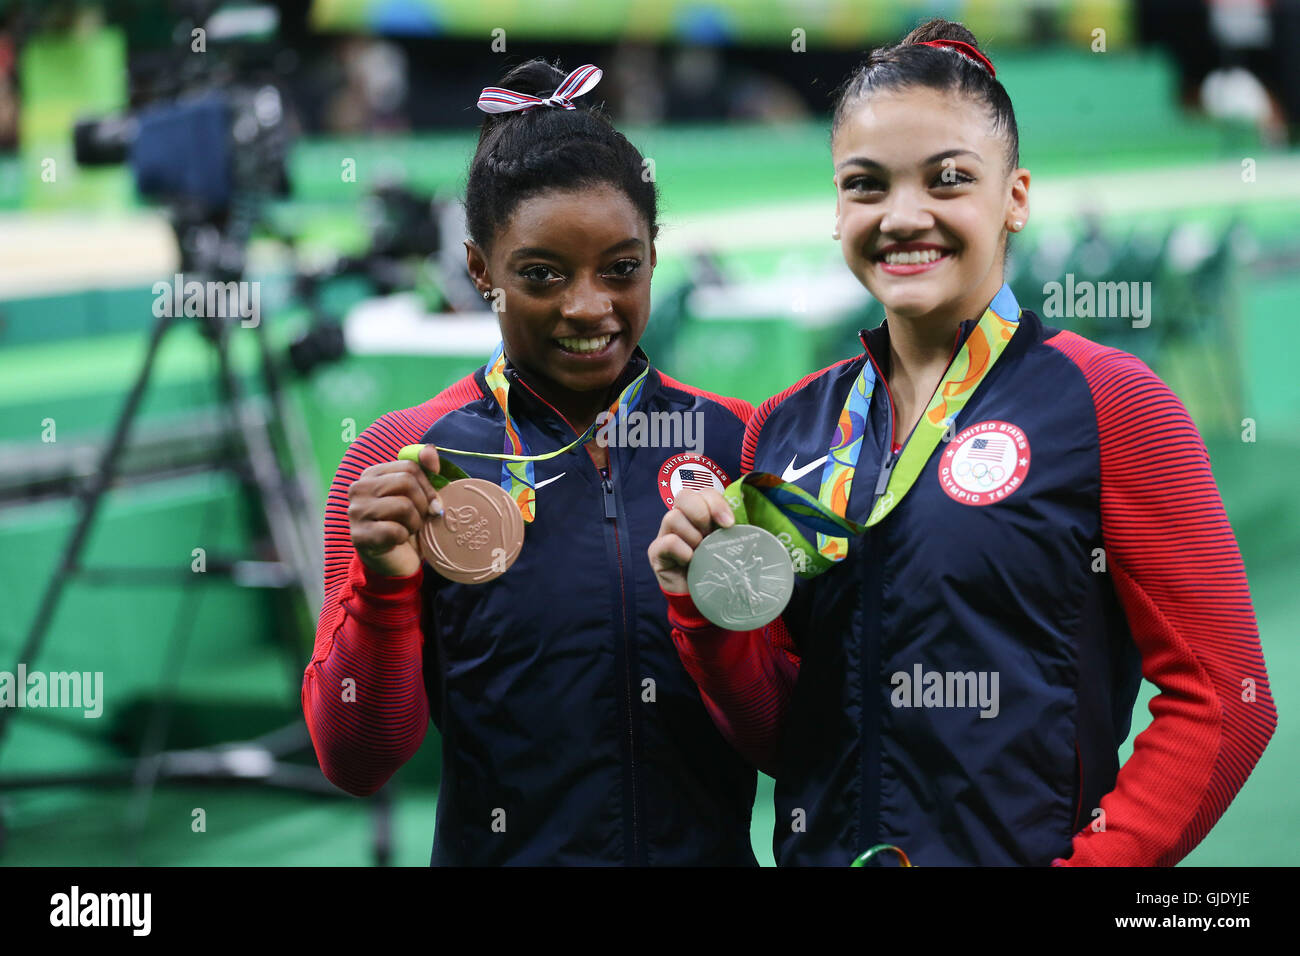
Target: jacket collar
525	402
876	341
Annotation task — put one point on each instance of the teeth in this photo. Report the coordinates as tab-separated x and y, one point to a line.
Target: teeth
585	345
912	258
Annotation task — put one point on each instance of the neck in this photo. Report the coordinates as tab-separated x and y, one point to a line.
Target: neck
919	353
578	408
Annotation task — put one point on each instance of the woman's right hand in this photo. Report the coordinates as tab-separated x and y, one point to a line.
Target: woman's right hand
694	514
387	506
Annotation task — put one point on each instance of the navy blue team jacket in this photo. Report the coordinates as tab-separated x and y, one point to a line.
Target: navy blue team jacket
557	689
933	586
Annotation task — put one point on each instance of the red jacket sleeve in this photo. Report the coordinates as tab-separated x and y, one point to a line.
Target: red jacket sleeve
363	691
746	678
1180	578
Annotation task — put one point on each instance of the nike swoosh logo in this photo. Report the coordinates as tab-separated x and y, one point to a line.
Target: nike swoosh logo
543	484
792	473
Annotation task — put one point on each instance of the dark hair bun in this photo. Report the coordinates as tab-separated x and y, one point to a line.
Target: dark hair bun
536	78
938	28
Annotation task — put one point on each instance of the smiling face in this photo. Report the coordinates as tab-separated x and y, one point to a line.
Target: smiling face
574	268
922	201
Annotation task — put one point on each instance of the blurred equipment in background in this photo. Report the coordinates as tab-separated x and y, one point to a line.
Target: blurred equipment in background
1237	58
374	86
214	153
406	251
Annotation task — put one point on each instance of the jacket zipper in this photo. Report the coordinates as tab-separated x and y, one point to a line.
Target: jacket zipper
887	469
610	510
611	514
871	652
870	655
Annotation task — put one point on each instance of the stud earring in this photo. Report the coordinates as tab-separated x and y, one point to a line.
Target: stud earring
486	295
1017	226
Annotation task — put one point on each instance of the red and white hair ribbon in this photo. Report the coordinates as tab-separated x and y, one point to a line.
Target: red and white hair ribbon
496	100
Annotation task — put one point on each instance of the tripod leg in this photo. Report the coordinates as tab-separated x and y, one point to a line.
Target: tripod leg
301	487
295	529
269	479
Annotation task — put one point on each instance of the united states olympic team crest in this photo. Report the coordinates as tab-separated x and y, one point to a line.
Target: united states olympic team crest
689	470
984	463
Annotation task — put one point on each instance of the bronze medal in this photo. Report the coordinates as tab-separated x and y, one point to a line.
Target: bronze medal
479	534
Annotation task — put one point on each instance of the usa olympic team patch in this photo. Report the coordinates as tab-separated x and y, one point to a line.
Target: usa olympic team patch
689	470
984	463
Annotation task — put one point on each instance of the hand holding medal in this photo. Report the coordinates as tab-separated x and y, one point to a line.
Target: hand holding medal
468	529
480	531
387	506
738	575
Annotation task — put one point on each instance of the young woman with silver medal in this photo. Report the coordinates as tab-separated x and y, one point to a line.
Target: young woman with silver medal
1002	528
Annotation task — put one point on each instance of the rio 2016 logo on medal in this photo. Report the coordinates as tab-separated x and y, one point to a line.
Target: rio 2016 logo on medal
479	535
984	463
689	470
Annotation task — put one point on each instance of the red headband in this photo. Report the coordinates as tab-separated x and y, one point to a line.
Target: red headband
965	49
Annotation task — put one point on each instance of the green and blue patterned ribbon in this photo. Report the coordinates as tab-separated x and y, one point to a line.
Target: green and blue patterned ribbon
517	476
787	511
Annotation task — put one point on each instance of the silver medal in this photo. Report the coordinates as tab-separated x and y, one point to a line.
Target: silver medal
740	577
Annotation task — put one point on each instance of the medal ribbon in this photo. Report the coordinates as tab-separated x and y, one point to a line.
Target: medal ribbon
785	509
516	463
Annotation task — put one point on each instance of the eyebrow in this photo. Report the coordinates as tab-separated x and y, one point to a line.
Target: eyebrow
937	157
525	252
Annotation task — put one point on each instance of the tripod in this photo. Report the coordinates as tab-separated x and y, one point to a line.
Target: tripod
287	501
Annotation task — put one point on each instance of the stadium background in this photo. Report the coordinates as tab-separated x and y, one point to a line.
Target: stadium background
1152	161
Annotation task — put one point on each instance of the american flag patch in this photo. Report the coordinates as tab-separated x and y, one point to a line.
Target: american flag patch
986	449
696	478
